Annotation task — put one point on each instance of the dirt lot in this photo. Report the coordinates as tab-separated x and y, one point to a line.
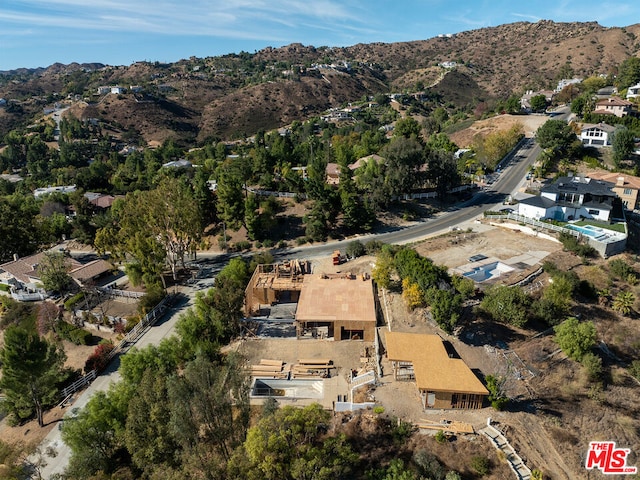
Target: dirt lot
530	123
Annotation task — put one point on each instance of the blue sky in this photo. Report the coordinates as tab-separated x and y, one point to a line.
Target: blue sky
37	33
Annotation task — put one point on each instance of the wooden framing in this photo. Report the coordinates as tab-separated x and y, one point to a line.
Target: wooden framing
443	382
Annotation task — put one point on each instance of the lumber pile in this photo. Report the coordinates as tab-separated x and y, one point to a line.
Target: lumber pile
447	426
312	368
270	369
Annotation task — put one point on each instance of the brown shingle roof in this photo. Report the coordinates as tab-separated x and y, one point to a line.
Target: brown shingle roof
629	181
25	268
90	270
434	370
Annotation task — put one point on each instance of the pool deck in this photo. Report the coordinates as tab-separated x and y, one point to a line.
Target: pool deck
517	263
332	387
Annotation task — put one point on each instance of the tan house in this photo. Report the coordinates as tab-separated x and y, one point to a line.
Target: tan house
442	381
613	106
625	186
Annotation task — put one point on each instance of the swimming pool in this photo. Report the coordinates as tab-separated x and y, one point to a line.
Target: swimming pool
485	272
589	230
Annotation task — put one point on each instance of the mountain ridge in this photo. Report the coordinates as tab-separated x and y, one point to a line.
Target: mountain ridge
235	95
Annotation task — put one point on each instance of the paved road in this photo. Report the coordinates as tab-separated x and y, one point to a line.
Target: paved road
511	177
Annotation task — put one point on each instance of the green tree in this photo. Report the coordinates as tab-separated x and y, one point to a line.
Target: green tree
154	227
575	338
404	158
230	197
622	143
251	217
209	412
495	386
383	268
95	434
442	171
53	272
289	445
446	307
407	127
506	304
31	371
215	315
592	364
538	103
628	73
148	435
555	135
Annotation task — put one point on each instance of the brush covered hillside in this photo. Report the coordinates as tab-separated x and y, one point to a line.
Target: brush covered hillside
236	95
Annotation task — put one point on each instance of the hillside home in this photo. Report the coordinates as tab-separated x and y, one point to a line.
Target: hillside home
23	274
565	82
627	187
596	135
525	100
633	91
571	198
613	106
333	173
443	381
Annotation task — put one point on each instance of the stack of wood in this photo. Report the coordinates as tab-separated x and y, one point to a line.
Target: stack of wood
447	426
270	369
312	368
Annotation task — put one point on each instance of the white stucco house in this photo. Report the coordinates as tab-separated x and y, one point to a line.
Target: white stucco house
571	198
633	91
596	135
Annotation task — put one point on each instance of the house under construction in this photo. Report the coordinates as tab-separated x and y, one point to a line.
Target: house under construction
275	283
338	306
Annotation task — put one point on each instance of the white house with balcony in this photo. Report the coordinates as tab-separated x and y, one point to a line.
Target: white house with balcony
571	198
596	135
633	91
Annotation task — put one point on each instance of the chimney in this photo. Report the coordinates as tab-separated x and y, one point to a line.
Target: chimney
620	182
15	257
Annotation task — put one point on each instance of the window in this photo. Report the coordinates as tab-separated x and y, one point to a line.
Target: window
594	212
627	191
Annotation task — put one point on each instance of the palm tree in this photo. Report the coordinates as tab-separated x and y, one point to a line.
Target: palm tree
623	303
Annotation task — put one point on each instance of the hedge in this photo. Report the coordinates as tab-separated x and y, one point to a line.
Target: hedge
71	302
72	333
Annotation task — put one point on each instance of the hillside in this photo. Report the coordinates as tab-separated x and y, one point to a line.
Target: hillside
236	95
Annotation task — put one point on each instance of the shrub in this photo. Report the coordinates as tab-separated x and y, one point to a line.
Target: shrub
355	249
373	247
152	297
4	287
282	244
572	244
620	269
378	409
480	465
74	334
99	359
592	364
73	301
243	245
634	369
441	437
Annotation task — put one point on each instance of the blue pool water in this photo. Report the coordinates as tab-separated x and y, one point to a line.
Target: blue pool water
587	230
